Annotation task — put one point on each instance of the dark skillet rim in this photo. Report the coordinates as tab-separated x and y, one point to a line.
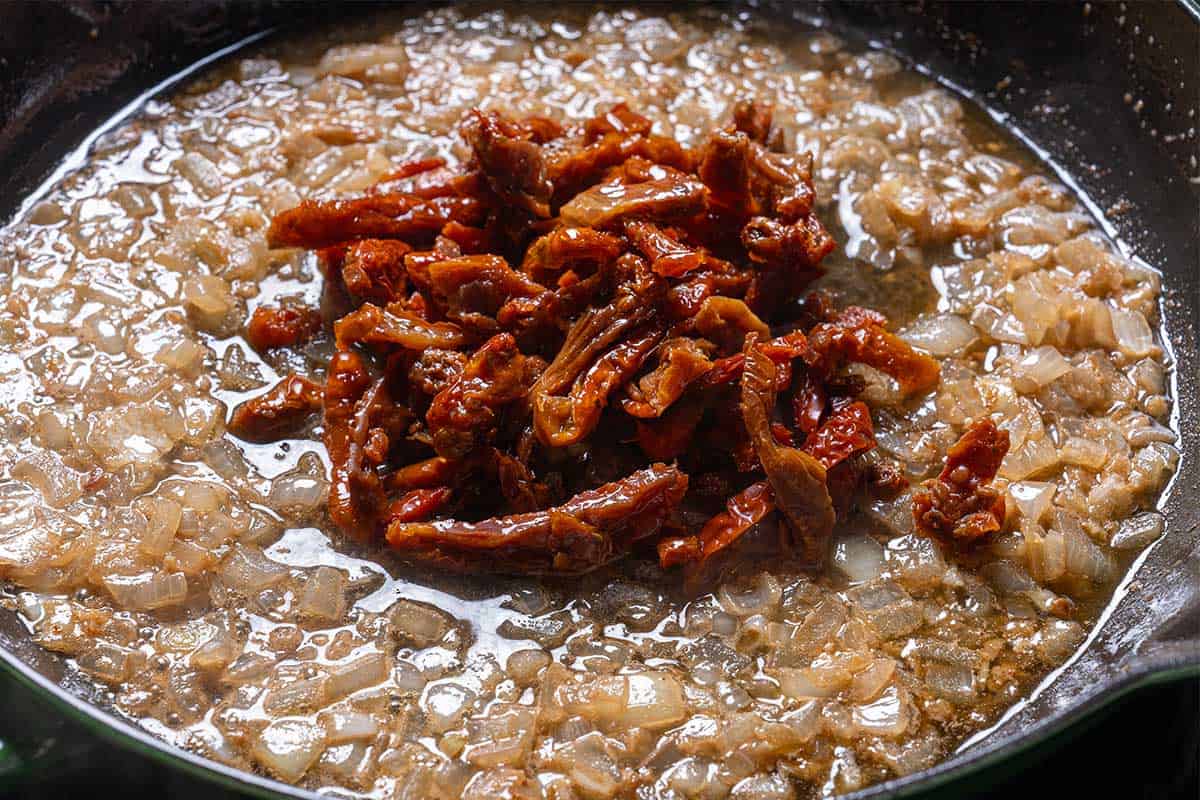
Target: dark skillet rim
1142	671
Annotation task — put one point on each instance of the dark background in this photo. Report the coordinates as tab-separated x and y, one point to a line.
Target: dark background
1145	748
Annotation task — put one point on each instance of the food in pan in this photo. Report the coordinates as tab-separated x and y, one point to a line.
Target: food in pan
587	404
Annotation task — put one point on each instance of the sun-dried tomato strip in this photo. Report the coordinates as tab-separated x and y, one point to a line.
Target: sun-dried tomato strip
418	505
584	533
959	505
282	326
742	512
281	410
314	225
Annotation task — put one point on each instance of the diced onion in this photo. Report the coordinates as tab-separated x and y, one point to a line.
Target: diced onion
1039	367
377	62
162	521
416	624
1058	640
761	598
654	700
1085	453
1034	456
247	570
298	493
954	682
288	747
501	738
763	787
348	726
591	769
859	557
324	594
825	678
147	591
915	561
1134	336
868	684
1138	531
885	716
998	325
358	674
941	335
45	471
523	666
445	705
1085	558
1032	498
297	697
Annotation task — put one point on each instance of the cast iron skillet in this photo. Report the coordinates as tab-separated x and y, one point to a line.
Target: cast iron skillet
1108	91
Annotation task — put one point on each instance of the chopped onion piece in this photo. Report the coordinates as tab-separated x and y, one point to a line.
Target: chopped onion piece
297	697
859	557
147	591
824	679
954	682
1138	531
446	704
763	787
1039	367
868	684
761	598
1134	336
1058	640
288	747
324	594
1034	456
884	717
1032	498
45	471
247	570
998	325
1085	558
162	521
501	738
348	726
654	700
523	666
418	625
1086	453
297	492
358	674
941	335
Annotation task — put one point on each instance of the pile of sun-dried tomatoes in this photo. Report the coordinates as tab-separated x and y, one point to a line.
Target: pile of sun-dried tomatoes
584	340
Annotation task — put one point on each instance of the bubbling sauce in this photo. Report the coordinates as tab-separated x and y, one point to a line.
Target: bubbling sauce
197	576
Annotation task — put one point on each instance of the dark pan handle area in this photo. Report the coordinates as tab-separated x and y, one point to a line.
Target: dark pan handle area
1110	92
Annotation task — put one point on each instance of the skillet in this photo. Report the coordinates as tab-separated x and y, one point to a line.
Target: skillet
1107	92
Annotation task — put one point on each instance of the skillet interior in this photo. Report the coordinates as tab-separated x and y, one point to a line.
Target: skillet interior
1065	73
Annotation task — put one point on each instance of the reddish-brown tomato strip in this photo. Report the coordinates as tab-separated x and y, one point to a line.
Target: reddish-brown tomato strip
742	512
282	410
586	532
314	225
373	270
465	414
870	343
418	505
845	434
282	326
959	505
